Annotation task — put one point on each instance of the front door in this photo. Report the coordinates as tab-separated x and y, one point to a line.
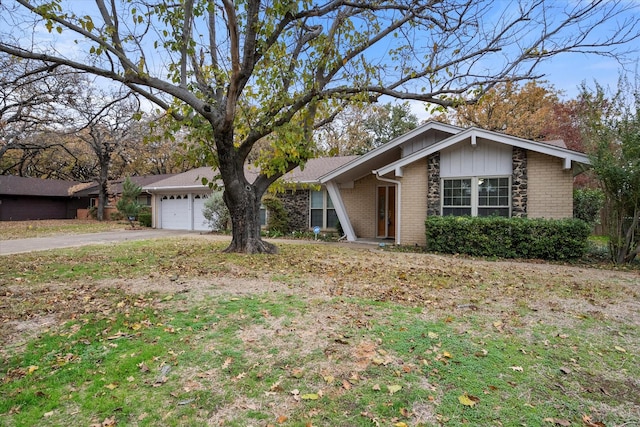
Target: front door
386	212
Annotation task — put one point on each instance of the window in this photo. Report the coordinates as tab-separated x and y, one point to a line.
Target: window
477	196
323	214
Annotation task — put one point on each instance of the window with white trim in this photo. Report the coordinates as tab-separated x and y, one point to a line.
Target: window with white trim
476	196
322	214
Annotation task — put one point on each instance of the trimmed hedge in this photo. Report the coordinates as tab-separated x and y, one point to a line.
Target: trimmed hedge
508	237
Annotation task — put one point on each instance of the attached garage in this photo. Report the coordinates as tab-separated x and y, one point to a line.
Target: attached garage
181	211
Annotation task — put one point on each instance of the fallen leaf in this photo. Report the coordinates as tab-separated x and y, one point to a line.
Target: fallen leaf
620	349
447	354
376	387
468	400
310	396
48	414
32	369
517	368
111	386
346	385
586	419
432	335
400	424
227	363
282	419
394	388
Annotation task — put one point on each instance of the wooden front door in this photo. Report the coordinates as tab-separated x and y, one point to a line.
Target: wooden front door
386	212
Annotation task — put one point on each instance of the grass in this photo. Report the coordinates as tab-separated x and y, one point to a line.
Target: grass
174	332
43	228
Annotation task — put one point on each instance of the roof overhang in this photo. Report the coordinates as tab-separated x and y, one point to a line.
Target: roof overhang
473	134
383	155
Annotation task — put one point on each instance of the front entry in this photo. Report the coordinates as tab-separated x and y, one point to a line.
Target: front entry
386	212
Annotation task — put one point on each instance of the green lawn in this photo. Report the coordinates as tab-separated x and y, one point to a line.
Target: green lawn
174	332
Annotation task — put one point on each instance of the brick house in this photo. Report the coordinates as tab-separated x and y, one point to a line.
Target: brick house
439	169
177	202
435	169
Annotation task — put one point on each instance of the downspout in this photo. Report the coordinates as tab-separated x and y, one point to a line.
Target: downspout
398	201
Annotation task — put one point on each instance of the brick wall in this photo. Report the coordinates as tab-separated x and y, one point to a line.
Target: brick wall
360	202
550	188
414	203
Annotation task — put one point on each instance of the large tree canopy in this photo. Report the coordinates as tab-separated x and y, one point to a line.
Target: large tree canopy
250	70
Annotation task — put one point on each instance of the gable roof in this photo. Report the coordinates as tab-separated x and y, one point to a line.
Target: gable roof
388	152
24	186
380	162
474	133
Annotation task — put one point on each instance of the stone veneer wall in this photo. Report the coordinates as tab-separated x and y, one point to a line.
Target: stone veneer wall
433	186
296	203
519	183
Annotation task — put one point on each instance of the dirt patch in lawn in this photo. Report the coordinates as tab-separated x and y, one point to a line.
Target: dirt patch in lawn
517	292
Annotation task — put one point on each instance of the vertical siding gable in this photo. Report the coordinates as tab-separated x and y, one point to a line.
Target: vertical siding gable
487	158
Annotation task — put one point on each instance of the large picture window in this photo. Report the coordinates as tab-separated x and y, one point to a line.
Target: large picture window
323	214
476	196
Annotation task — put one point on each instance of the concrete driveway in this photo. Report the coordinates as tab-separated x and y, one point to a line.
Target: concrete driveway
17	246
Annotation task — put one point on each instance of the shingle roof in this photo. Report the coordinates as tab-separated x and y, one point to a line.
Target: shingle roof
315	168
312	171
115	186
23	186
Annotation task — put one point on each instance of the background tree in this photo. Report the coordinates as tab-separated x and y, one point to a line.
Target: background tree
611	128
31	93
523	110
237	73
359	128
104	121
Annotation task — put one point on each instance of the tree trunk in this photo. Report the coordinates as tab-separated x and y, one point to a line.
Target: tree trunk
241	197
244	208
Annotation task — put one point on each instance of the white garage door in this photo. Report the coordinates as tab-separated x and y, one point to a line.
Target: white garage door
199	222
175	214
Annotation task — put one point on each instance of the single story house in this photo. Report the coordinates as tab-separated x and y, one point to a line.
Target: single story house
440	169
177	202
23	199
435	169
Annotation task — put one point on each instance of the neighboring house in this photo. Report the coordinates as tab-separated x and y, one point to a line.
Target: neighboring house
115	189
34	198
439	169
178	201
24	199
435	169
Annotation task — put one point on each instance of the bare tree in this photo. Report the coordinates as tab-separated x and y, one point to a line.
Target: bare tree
104	121
31	92
236	73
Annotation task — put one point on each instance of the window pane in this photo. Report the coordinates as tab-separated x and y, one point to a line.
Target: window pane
332	218
316	217
456	211
493	211
457	192
329	202
493	192
263	216
316	200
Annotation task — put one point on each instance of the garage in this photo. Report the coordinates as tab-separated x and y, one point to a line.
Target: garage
199	221
182	212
